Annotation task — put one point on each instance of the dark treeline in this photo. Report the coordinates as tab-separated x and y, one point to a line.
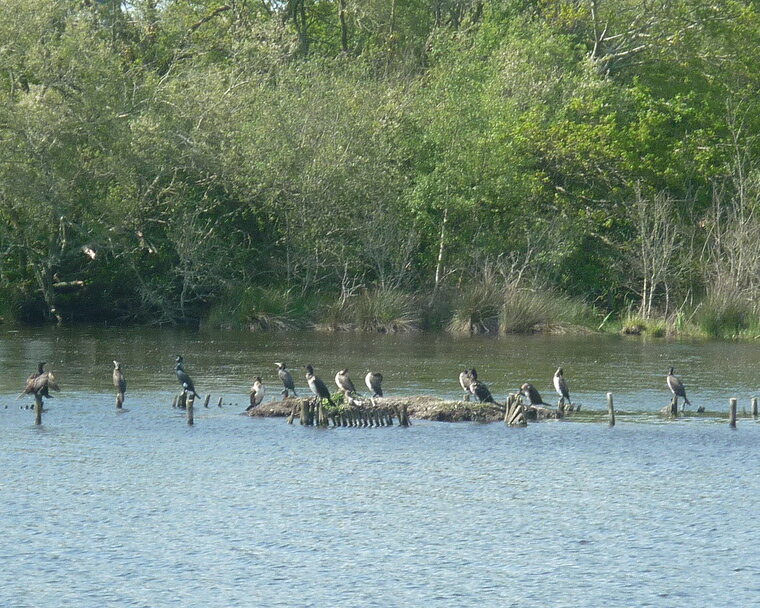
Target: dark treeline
381	164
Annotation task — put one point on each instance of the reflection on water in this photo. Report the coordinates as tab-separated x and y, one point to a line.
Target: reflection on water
137	509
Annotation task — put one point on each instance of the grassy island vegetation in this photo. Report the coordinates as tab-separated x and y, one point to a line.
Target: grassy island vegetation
382	165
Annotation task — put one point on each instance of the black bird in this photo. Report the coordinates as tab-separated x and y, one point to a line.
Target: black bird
465	379
184	379
676	387
287	380
532	394
479	389
119	381
40	383
257	393
344	382
317	386
560	385
373	380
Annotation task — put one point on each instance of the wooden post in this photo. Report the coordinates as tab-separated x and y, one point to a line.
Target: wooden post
732	413
174	401
292	412
119	400
37	409
182	400
404	415
674	406
220	402
754	407
208	398
190	402
611	409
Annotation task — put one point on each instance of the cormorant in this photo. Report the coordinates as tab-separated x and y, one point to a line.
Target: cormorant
560	385
373	380
532	394
40	382
184	379
676	387
479	389
119	381
317	386
465	379
257	393
344	382
287	380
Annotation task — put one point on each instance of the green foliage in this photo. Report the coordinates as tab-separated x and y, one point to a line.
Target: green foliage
159	157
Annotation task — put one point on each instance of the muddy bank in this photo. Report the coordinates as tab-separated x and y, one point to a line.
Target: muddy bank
419	407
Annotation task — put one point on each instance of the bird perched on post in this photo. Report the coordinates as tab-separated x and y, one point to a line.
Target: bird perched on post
184	378
532	394
40	383
344	382
373	380
119	381
317	386
257	393
287	380
677	388
560	385
479	389
465	379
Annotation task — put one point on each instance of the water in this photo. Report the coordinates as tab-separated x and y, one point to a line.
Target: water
101	508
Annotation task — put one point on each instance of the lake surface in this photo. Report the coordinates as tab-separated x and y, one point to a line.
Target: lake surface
101	508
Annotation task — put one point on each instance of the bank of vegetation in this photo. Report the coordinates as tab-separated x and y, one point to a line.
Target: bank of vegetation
470	165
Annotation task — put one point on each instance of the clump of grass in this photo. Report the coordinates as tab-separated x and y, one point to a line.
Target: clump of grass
386	310
635	325
725	314
522	311
257	309
532	311
476	309
335	316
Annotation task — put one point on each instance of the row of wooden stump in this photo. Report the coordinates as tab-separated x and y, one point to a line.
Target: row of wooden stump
186	401
312	412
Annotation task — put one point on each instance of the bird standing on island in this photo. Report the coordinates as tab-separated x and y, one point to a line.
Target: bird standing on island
465	379
344	382
184	378
560	385
532	394
257	393
479	389
316	385
287	380
373	380
677	388
119	381
40	382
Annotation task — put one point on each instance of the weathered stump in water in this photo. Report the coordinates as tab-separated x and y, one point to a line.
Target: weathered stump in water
754	407
732	413
208	398
119	400
515	414
611	409
189	408
37	409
